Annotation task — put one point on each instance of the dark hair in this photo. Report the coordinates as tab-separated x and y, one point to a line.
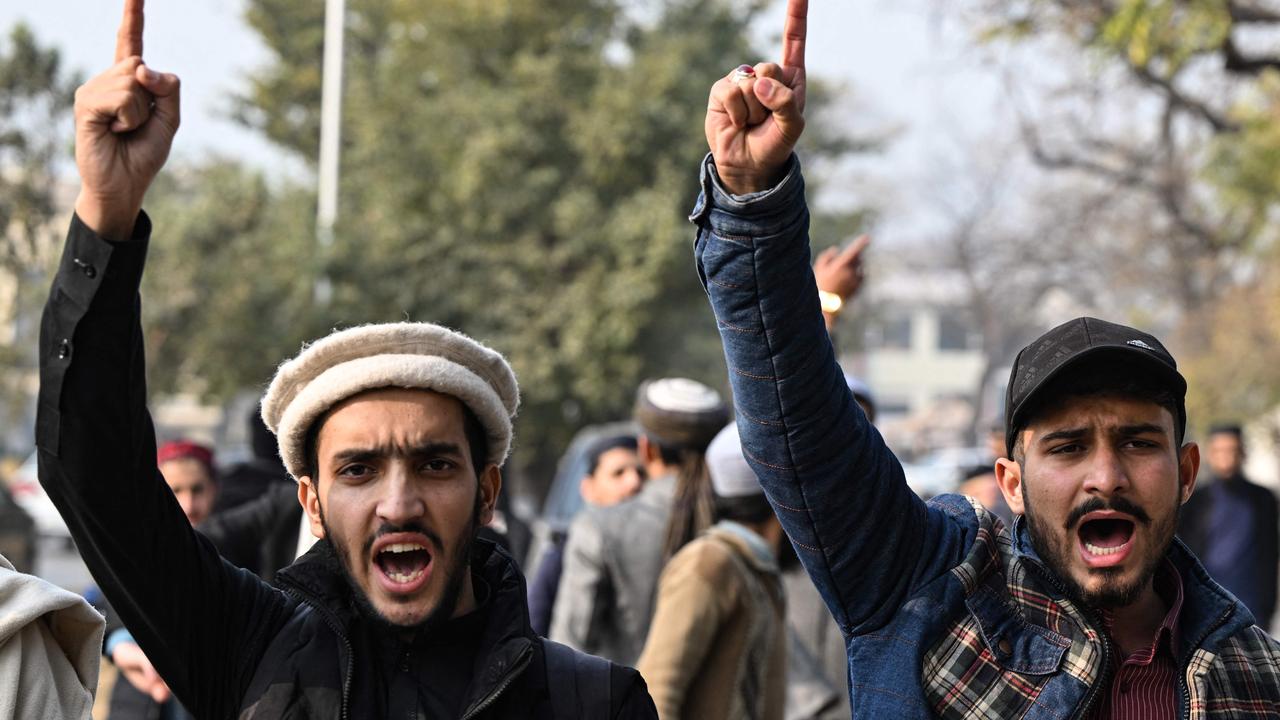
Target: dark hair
976	471
1227	429
693	507
747	509
472	429
1102	377
603	445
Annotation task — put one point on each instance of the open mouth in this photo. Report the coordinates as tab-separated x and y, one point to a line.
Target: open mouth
403	565
1106	540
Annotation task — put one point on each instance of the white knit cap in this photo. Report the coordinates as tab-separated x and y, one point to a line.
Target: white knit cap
395	355
731	476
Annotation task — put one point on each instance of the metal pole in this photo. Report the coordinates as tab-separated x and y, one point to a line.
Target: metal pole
330	139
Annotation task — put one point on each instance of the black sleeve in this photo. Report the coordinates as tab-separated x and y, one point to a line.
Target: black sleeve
202	622
630	695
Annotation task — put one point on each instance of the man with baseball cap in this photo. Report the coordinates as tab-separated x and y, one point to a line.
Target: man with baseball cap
1087	606
396	435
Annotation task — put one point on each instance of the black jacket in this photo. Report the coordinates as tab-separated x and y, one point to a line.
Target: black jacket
228	644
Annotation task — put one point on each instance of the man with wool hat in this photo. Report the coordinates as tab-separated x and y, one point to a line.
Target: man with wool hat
615	554
396	435
718	645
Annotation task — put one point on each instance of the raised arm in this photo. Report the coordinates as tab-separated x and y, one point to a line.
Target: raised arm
198	619
864	538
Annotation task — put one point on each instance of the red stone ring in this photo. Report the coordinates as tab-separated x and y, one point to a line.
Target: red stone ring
744	72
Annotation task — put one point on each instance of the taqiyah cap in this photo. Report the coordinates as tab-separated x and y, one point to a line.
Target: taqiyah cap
731	476
1072	342
680	412
395	355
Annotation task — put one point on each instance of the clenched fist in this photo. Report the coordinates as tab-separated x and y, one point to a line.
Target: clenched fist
126	119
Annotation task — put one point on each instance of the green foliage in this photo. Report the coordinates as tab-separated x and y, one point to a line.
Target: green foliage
1169	32
227	293
520	171
35	93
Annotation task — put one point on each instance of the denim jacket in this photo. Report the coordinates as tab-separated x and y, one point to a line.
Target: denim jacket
945	611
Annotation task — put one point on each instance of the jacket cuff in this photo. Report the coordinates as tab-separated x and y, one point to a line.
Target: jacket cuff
762	213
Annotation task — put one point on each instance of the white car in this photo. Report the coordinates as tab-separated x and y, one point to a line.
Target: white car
30	496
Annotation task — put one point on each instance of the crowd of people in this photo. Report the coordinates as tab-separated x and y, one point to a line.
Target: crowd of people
752	556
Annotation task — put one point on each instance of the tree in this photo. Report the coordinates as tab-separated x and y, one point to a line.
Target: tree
36	93
519	171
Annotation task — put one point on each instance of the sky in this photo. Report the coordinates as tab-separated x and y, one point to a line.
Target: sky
903	67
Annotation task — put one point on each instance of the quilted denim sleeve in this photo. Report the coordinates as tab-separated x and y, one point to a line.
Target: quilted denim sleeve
866	540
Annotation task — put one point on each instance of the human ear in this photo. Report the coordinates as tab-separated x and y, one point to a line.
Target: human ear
1009	478
490	485
1188	467
309	498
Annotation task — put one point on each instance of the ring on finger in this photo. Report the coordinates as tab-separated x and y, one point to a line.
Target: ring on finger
744	72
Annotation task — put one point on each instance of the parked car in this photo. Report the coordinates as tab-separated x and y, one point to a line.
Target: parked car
940	471
30	495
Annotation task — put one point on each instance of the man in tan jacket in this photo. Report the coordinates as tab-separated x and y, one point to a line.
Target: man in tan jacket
717	645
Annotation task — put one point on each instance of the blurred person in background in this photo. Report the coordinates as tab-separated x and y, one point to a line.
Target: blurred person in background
396	433
1231	525
979	482
614	554
50	641
717	647
188	469
614	473
249	480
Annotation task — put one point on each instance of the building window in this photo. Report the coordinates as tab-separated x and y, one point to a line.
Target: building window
956	333
891	333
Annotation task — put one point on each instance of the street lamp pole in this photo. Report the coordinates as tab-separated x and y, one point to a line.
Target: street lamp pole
330	140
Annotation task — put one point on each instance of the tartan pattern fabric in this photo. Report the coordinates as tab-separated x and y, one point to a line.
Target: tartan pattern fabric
1240	680
966	678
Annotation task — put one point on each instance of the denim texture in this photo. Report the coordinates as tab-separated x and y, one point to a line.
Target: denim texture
944	610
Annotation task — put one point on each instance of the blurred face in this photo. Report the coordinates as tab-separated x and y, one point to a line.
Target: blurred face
1225	454
1100	484
618	476
192	485
400	502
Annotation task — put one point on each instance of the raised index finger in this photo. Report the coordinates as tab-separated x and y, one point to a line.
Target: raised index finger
129	39
794	33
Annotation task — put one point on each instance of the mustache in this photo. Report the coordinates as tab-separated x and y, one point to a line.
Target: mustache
1118	504
389	529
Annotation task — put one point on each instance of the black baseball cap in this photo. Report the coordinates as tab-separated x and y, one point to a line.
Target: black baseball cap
1072	342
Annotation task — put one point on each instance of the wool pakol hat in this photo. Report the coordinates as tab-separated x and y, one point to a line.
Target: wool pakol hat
680	413
395	355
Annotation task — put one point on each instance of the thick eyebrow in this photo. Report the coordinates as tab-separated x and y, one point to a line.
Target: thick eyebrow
1068	434
1140	429
429	449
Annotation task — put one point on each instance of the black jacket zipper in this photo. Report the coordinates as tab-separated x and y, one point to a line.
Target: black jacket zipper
338	630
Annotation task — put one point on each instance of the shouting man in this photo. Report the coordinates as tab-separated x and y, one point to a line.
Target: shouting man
1087	607
396	435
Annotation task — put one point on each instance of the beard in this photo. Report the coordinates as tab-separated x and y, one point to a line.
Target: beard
455	567
1056	546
